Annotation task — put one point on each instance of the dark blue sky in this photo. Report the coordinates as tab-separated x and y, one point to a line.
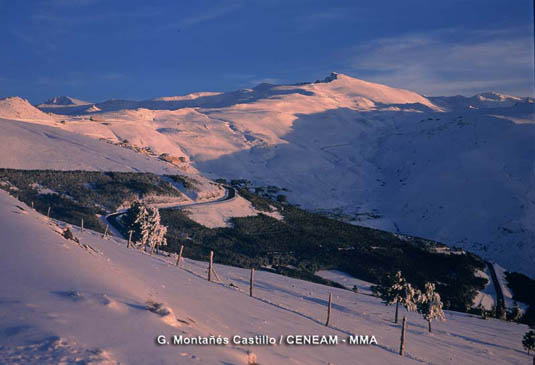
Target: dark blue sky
99	49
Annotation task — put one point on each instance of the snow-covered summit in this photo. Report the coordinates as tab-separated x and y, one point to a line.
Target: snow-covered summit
335	91
66	105
342	86
64	100
333	76
20	109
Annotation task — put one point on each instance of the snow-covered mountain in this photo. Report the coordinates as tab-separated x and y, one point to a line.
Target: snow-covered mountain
97	301
67	105
20	109
479	101
455	169
64	101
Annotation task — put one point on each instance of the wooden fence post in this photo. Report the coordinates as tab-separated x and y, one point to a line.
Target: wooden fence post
82	226
179	255
329	309
105	235
48	212
210	266
251	282
32	204
403	329
129	239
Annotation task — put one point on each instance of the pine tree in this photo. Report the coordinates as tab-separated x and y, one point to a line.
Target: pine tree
529	341
430	305
145	225
397	290
157	232
135	219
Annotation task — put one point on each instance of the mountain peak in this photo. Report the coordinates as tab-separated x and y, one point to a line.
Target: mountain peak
14	99
64	101
366	94
333	76
18	108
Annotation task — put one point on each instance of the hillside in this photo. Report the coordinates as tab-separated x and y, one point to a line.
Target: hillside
247	230
28	145
21	109
453	169
96	302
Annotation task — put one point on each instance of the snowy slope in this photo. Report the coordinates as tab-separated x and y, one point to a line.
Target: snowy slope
21	109
346	280
64	302
487	297
27	146
453	169
36	146
218	215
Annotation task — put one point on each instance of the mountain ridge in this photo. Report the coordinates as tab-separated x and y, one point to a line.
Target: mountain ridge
370	154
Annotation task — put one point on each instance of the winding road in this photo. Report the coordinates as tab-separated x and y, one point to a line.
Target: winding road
111	219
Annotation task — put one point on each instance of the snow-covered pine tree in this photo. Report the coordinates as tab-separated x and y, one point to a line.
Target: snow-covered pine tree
145	225
156	230
135	219
430	305
396	290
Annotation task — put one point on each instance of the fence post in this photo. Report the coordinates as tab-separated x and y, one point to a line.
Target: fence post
105	235
210	266
48	212
32	204
329	309
251	282
179	255
403	329
82	226
129	239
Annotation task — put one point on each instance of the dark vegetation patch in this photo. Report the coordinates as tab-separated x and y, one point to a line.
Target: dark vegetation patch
298	246
82	194
188	182
304	243
522	286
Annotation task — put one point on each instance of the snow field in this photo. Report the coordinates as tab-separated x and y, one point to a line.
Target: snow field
59	300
